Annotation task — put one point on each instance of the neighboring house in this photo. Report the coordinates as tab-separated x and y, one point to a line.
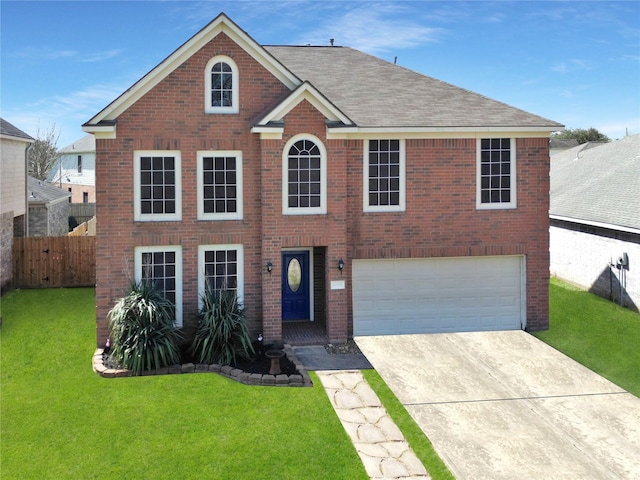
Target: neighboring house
595	218
48	209
557	145
325	185
75	170
14	144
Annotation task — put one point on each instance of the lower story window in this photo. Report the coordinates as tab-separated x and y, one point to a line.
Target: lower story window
221	267
162	266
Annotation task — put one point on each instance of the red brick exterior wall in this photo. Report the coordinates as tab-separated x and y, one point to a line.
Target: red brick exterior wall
441	218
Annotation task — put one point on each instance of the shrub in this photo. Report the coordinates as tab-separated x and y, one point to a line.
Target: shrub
142	330
222	335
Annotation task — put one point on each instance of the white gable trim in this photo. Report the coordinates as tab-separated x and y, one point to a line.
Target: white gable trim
307	92
221	24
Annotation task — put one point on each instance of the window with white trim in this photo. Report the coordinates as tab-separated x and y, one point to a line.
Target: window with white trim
496	173
162	265
157	185
384	176
304	176
221	85
220	185
221	267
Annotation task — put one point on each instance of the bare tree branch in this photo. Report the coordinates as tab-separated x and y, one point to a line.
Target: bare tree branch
43	152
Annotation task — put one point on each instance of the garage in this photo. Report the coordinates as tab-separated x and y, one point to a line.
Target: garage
435	295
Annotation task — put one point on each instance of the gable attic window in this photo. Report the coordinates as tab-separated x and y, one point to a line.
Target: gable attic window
220	185
221	85
384	176
157	185
304	176
496	173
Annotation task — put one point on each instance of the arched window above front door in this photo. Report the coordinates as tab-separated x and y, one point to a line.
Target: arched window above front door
304	176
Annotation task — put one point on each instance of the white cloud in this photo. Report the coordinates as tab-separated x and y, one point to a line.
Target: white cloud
68	112
573	65
373	28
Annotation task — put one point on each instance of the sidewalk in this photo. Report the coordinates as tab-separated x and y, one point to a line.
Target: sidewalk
378	441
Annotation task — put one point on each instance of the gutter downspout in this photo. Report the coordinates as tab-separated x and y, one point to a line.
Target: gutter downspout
26	189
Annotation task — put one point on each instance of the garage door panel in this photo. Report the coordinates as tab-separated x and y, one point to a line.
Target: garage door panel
432	295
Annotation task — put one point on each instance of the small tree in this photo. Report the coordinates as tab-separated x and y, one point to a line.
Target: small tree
582	135
43	152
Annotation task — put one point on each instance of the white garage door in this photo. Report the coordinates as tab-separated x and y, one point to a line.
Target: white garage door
431	295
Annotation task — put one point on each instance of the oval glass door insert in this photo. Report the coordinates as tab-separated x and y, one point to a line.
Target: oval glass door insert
294	275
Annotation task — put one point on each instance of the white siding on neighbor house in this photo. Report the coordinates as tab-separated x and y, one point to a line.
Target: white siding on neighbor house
583	259
434	295
12	172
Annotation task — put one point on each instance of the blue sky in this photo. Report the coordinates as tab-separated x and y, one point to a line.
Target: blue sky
577	63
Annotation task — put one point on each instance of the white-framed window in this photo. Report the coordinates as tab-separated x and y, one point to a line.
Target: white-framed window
157	185
162	265
221	81
221	267
496	173
384	176
80	164
220	185
304	170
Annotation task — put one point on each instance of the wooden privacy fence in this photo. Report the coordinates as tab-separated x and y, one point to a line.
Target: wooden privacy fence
41	262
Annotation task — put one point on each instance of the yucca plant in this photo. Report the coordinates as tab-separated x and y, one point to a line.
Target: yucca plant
222	335
142	329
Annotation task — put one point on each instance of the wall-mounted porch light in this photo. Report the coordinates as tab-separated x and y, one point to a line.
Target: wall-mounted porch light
340	264
269	266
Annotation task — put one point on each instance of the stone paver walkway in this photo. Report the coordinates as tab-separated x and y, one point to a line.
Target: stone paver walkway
379	442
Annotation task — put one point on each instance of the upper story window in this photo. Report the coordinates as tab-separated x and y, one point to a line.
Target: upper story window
220	185
384	176
162	266
157	185
304	176
79	163
221	86
496	173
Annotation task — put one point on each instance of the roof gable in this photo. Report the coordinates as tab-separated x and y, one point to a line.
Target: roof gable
104	121
272	122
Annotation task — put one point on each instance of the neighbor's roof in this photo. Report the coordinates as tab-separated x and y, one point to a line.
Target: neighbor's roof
85	144
8	130
598	185
346	84
43	192
375	93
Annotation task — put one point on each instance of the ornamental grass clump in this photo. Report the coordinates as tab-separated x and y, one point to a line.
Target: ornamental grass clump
143	332
222	334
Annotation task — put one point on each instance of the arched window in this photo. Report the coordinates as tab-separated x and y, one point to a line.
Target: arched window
304	176
221	85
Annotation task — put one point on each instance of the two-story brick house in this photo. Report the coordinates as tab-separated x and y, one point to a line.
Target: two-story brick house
327	186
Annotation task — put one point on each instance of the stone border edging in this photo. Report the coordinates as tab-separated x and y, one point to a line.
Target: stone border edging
282	380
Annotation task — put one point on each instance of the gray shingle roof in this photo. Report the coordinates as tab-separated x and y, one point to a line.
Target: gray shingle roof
598	184
44	192
85	144
376	93
10	130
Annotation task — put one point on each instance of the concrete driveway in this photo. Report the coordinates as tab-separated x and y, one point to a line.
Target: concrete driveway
504	405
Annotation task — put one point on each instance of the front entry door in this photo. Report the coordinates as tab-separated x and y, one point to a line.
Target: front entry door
296	286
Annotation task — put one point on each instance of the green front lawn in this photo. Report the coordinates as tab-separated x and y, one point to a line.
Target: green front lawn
595	332
61	420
